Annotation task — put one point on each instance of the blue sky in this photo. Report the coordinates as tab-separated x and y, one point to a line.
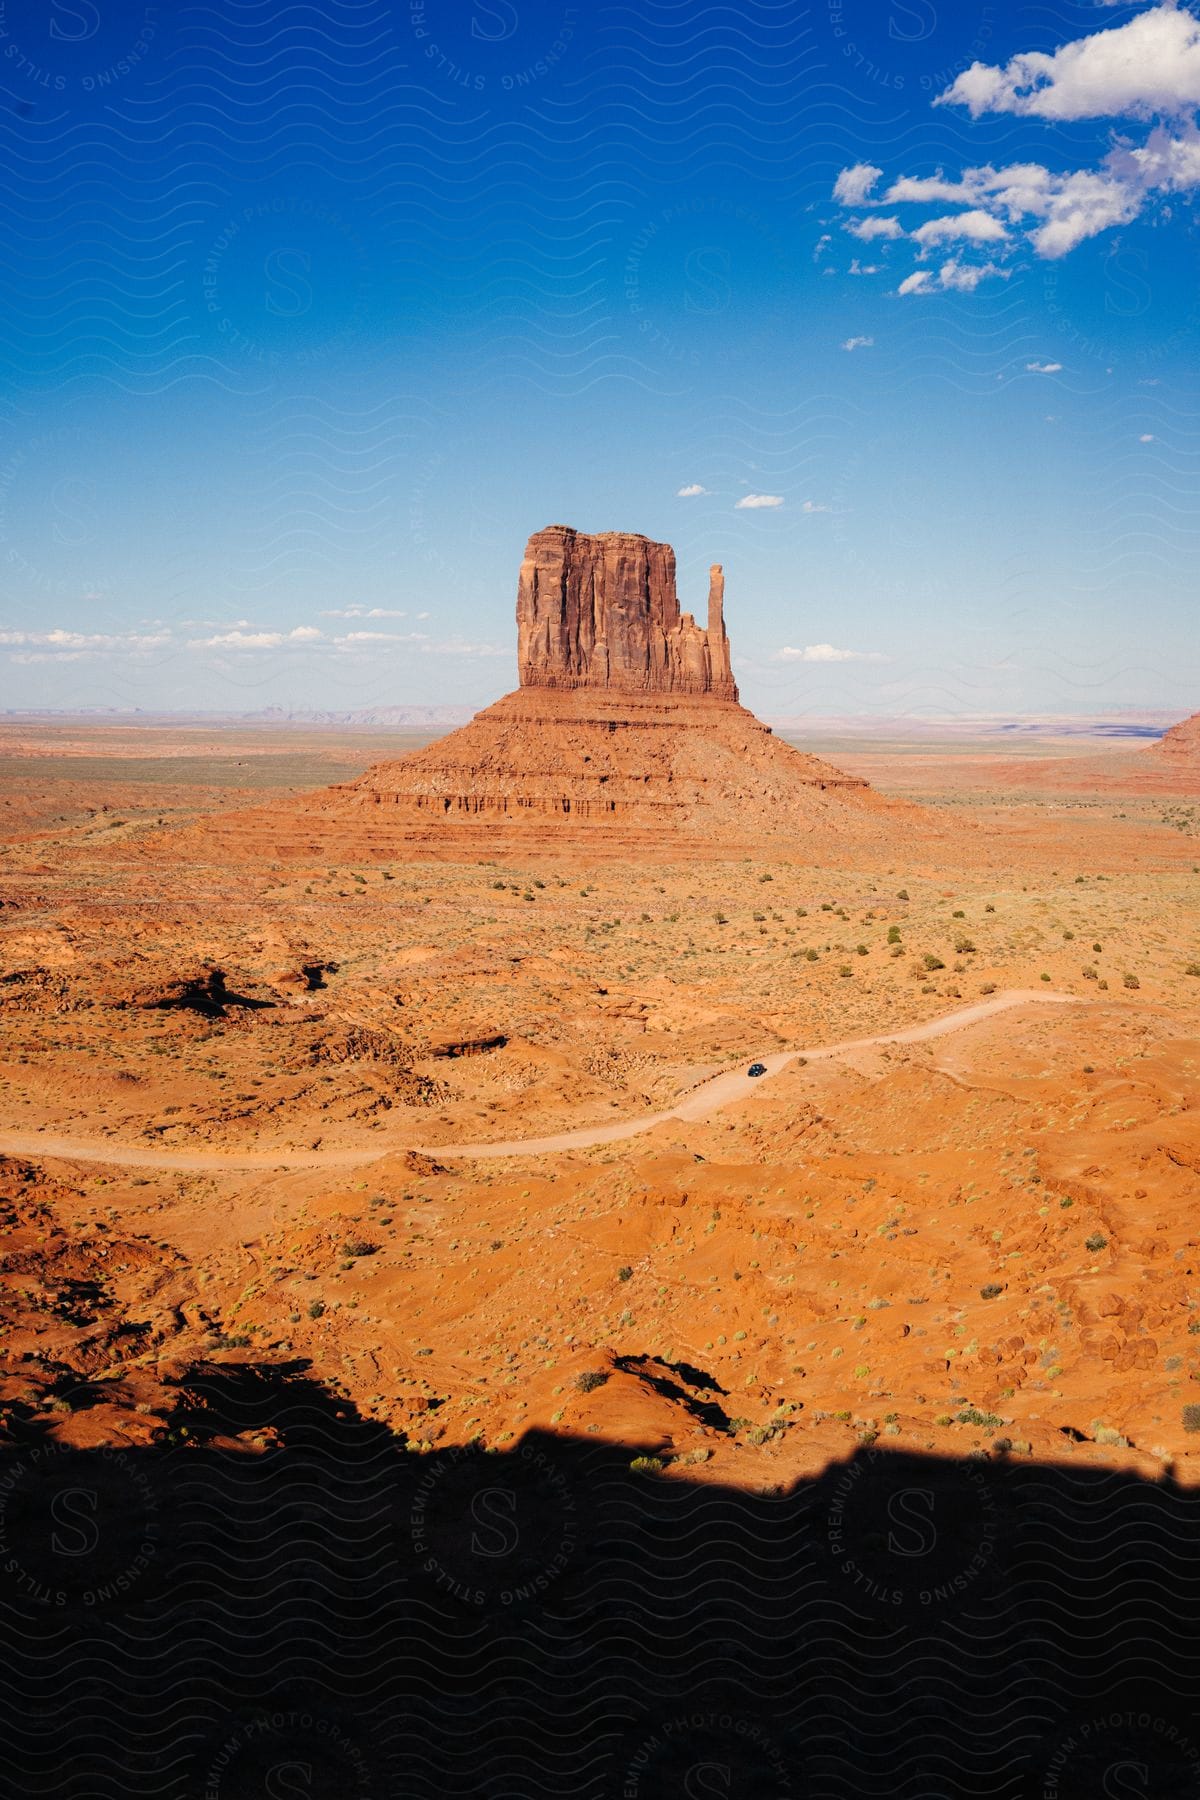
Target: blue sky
312	316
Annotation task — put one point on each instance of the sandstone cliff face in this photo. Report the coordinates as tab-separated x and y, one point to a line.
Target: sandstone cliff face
626	725
602	612
1182	741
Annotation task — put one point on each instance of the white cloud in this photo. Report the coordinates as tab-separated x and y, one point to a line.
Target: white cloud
1085	204
826	653
751	501
964	278
363	612
953	276
686	493
1149	67
815	506
854	184
859	343
929	190
383	637
1044	368
976	227
822	244
257	640
58	642
869	229
1147	437
857	268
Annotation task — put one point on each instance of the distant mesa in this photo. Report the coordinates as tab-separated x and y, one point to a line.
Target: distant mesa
1181	745
627	719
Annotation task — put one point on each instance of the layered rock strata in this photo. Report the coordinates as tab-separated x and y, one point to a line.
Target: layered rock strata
627	717
1182	743
602	612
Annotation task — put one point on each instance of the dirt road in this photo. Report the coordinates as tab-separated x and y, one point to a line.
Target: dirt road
699	1103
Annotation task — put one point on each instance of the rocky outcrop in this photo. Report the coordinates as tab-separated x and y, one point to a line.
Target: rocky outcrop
626	725
602	612
1182	742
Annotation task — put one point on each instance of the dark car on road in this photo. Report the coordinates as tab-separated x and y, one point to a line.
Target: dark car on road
757	1069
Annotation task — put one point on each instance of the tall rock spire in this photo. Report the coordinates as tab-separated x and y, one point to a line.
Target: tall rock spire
602	612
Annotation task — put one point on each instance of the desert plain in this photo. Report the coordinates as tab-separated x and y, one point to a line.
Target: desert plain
254	1045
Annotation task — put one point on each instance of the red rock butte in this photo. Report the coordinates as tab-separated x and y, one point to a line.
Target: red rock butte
602	612
627	718
1181	745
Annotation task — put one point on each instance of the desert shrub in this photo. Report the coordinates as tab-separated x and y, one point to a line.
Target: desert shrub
1130	981
316	1309
861	950
590	1380
989	987
1192	969
647	1465
902	894
624	1274
963	946
845	970
893	936
971	1415
766	878
1097	1241
990	1289
989	907
359	1247
931	961
959	915
1191	1417
1089	973
810	956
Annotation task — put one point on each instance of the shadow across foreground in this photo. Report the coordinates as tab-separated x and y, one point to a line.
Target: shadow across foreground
339	1618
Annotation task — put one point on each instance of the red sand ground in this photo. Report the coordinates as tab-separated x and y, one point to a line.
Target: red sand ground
987	1237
